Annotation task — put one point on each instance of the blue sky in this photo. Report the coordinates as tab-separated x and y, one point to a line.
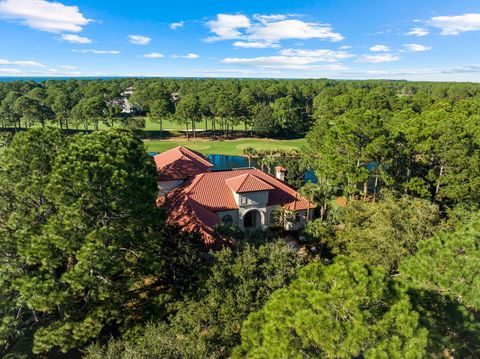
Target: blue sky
414	40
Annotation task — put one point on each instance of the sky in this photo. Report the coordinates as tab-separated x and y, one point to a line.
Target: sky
376	39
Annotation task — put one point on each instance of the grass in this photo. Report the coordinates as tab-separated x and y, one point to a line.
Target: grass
208	146
171	125
225	147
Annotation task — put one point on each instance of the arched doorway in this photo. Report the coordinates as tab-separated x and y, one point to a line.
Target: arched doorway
252	219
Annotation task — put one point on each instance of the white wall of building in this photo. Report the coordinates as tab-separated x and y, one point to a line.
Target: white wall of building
233	213
249	201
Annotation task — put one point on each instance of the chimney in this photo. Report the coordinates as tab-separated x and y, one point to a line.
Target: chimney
280	173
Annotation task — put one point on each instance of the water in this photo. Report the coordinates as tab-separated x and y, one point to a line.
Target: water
226	162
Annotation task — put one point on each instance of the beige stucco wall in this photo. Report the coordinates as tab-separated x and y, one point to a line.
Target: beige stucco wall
258	201
249	201
233	213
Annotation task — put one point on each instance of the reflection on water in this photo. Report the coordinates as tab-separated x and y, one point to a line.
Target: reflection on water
226	162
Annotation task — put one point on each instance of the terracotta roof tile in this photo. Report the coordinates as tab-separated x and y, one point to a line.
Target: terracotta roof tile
180	163
189	215
247	183
210	190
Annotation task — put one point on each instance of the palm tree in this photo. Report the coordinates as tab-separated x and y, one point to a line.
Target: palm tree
319	194
310	192
269	162
250	152
284	216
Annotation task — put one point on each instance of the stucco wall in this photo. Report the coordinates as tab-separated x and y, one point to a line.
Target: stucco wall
258	201
233	213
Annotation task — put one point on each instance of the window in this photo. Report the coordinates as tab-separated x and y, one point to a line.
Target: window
243	200
227	219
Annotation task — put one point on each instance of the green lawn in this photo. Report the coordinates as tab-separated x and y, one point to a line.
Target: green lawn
173	125
225	147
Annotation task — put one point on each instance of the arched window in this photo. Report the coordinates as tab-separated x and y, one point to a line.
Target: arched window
227	219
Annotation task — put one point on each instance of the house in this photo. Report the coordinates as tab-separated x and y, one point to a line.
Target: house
177	165
200	199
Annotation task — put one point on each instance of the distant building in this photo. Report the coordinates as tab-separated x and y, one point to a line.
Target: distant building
199	199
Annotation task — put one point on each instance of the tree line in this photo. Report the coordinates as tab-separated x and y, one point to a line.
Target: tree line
275	108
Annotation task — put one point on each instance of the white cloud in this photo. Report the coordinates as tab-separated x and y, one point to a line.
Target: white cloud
345	47
154	55
380	48
139	39
191	56
269	18
454	25
283	62
44	15
255	44
321	55
23	63
10	72
378	58
228	71
418	31
416	47
267	30
187	56
292	29
75	39
419	71
68	67
228	26
98	52
295	59
177	25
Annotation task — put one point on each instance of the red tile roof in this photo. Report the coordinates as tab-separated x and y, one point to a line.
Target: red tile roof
180	163
211	190
247	183
193	204
188	214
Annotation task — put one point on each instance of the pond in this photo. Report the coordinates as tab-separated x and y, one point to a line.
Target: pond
226	162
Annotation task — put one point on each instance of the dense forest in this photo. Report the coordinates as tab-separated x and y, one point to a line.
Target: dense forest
388	267
275	108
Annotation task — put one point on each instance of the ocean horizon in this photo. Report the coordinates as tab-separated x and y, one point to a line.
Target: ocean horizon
60	78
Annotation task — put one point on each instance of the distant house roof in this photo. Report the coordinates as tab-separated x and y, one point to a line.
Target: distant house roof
180	163
193	204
